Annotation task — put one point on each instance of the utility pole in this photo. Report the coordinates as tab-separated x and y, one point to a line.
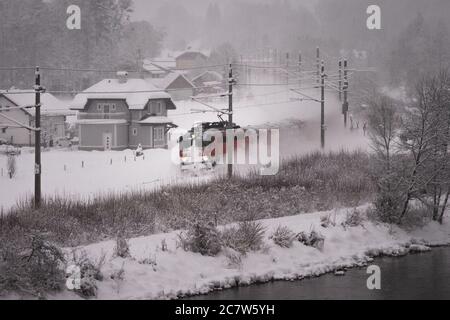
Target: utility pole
37	144
318	65
340	80
322	106
345	89
230	153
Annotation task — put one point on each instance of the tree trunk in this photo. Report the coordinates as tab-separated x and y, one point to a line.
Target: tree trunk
444	206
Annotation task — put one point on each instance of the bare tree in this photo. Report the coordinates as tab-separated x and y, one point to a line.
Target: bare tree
425	146
383	130
383	125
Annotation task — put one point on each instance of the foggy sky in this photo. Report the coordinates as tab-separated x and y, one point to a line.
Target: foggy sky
144	9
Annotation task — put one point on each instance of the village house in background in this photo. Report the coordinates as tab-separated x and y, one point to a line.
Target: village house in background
121	113
161	74
176	84
157	68
209	82
172	72
53	118
190	59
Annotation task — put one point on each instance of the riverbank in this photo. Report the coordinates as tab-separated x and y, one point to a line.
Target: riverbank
402	278
158	268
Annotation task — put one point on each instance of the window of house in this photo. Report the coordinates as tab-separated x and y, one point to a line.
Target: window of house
99	107
113	107
158	108
150	107
3	130
158	134
135	131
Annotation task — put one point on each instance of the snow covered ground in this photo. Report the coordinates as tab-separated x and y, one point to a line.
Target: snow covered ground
176	273
64	175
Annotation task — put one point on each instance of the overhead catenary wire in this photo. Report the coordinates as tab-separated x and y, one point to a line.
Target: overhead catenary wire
22	125
107	70
101	92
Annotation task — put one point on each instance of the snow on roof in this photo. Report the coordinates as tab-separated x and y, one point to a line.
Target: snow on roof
136	93
212	83
191	55
159	63
164	83
216	75
155	120
50	105
154	67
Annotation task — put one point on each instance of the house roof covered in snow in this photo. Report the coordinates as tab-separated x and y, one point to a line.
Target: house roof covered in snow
164	64
164	83
212	75
155	68
135	92
192	55
50	105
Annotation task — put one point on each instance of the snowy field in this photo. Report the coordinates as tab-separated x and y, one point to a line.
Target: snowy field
176	273
64	175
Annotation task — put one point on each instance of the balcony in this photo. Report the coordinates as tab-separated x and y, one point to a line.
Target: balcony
102	118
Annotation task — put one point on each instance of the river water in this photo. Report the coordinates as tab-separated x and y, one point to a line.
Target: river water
419	276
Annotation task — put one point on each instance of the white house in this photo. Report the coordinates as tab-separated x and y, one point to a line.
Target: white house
116	114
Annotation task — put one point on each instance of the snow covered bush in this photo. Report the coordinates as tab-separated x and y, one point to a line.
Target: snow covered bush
31	267
164	247
201	238
353	218
234	258
11	166
387	206
328	220
118	275
90	273
150	261
122	250
283	237
248	236
312	239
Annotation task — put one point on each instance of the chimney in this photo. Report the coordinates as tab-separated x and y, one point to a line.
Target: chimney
122	76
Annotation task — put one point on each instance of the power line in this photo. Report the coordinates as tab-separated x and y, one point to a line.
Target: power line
107	70
16	68
103	92
270	85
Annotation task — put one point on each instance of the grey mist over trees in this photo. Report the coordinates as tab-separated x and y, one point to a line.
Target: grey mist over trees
33	32
120	33
251	26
